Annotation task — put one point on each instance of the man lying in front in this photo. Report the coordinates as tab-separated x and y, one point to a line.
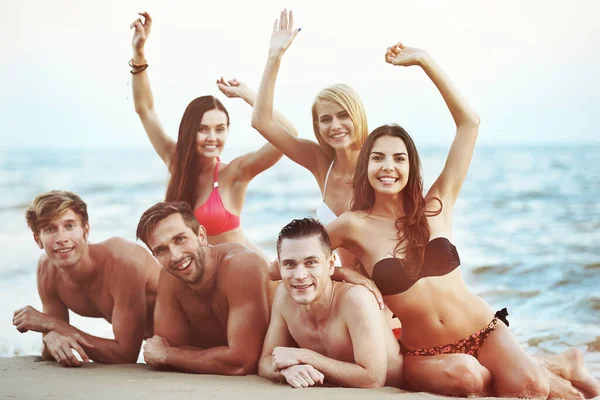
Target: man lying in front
324	331
212	309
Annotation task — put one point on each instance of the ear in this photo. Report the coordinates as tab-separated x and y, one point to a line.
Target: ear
36	237
86	231
331	261
202	236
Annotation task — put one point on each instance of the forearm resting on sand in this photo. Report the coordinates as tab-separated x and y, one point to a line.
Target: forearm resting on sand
217	360
340	372
105	351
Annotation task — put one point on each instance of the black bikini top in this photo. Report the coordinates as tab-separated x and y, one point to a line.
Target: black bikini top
440	258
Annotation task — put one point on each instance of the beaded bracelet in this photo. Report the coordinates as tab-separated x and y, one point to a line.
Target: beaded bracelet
134	65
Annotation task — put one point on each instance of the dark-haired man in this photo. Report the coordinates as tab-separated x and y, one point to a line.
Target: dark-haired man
323	330
116	280
212	310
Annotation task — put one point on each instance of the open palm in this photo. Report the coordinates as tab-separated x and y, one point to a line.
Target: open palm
399	54
283	32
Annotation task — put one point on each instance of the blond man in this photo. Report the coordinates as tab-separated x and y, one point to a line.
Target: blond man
116	280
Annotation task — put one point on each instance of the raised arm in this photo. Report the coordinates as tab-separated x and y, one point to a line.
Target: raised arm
245	287
142	93
251	164
449	183
304	152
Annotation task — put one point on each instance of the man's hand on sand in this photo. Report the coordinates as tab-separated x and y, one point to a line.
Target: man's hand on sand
61	348
302	375
30	319
155	351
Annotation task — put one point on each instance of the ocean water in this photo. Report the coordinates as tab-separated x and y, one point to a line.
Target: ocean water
527	227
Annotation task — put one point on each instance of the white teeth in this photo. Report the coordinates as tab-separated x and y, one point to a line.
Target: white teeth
184	265
210	147
338	135
388	180
301	286
63	250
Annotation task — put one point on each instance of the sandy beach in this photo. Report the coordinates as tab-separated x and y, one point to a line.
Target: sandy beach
31	378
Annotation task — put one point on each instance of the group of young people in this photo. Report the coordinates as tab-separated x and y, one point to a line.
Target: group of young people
210	301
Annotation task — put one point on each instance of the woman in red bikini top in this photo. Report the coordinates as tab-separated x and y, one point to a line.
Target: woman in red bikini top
216	190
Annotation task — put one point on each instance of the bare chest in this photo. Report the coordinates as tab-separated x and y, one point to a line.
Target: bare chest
330	339
87	301
377	240
207	316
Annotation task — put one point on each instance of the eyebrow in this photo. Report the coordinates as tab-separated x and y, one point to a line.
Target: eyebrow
206	126
382	154
305	259
161	246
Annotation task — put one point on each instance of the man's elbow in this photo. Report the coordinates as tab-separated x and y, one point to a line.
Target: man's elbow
373	381
245	368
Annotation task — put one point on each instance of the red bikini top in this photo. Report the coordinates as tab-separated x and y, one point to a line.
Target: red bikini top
212	214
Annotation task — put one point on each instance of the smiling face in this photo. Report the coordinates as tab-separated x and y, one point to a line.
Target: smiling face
305	268
212	133
178	249
388	168
334	124
64	239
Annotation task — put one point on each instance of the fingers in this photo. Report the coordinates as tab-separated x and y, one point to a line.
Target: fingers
281	20
291	20
275	25
83	341
305	375
137	24
316	376
81	352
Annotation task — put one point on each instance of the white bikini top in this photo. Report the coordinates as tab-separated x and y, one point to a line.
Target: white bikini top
324	213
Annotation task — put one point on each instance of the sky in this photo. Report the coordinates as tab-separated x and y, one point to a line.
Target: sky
529	68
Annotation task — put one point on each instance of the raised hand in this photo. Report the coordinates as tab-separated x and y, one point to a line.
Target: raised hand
142	31
399	54
61	348
283	32
233	88
302	375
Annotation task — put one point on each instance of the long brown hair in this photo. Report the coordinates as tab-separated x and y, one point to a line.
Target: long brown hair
184	167
413	228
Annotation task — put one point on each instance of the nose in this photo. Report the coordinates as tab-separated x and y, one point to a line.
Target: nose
60	235
212	134
387	164
175	254
335	123
300	272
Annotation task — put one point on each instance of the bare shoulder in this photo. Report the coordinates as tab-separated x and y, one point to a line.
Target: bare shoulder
356	300
239	257
46	272
240	264
125	260
122	251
